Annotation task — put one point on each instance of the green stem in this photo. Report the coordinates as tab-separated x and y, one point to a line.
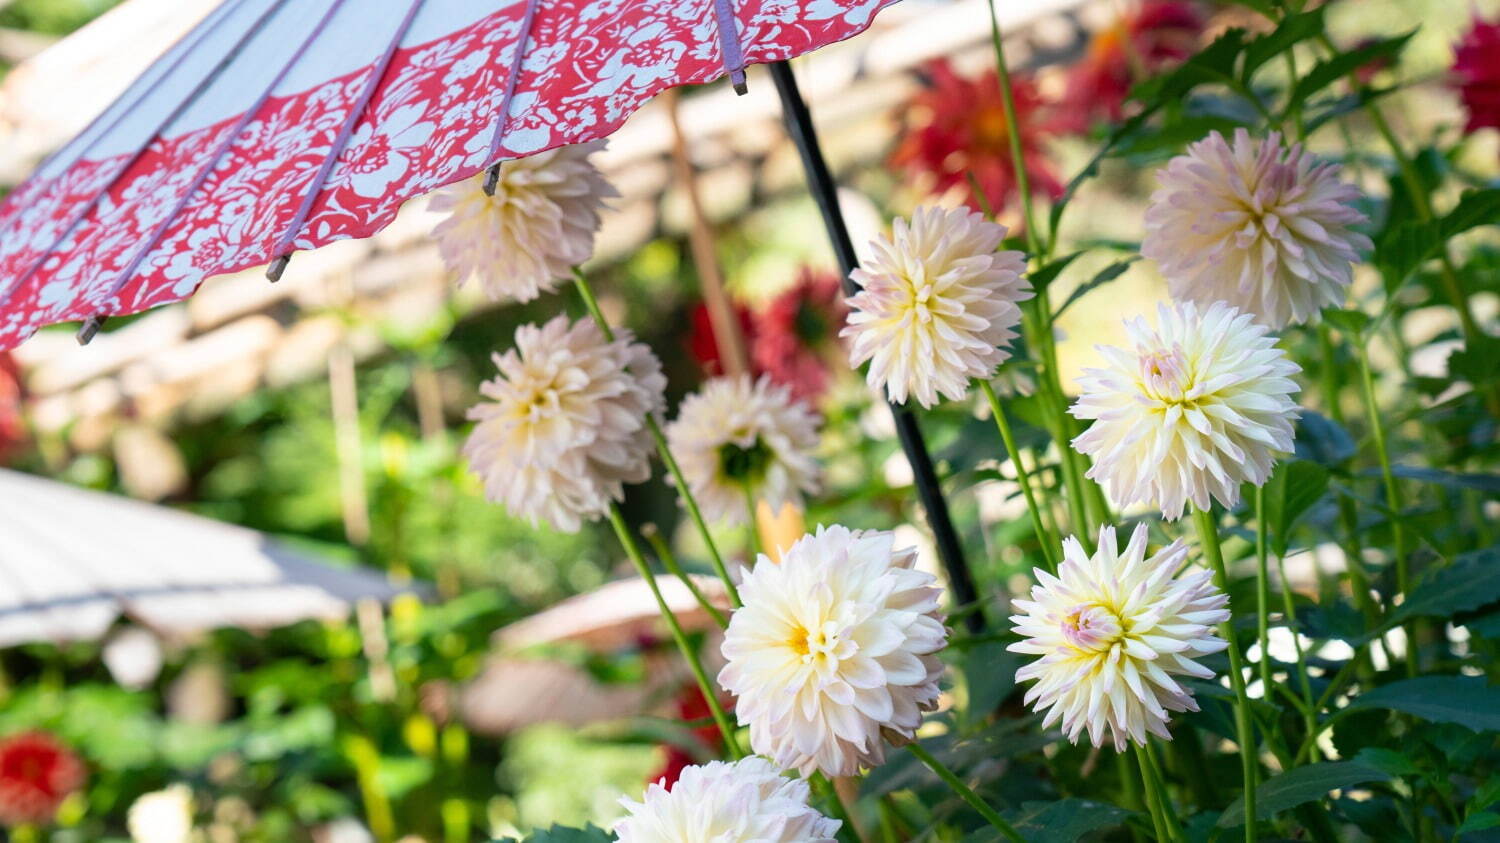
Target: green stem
753	525
1262	592
1208	534
1289	608
965	792
1048	543
1392	493
1162	816
633	550
1013	132
586	293
669	561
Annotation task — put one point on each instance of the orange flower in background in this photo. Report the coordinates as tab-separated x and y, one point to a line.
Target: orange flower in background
36	774
955	127
12	425
795	333
1476	70
1146	39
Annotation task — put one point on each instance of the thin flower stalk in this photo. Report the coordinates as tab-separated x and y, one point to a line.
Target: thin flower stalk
965	792
1165	823
669	561
1262	593
710	693
586	292
1208	534
1023	477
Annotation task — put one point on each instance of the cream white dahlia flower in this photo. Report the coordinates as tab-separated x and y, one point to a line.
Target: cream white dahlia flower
565	424
939	305
1257	225
162	816
1198	406
539	224
736	438
834	651
746	801
1112	631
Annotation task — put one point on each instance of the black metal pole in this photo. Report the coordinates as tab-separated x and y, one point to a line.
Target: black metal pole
820	182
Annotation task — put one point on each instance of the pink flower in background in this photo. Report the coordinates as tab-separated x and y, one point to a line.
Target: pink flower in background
1143	41
1476	71
36	774
797	332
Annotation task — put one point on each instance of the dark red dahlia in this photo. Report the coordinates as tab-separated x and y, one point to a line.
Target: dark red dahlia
691	707
1476	73
704	345
796	334
36	774
12	427
956	126
1147	39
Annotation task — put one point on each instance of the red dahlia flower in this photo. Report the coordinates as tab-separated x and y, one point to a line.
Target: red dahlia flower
1476	71
1148	38
797	331
12	428
36	773
955	127
691	707
702	342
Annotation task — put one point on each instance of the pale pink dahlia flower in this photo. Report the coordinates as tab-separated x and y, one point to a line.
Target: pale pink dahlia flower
745	801
1256	225
939	305
1198	405
1112	631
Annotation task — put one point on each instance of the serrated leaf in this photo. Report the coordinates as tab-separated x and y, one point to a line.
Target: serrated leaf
1465	700
1045	275
1299	786
563	834
1411	243
1066	820
1293	29
1294	487
1471	581
1328	71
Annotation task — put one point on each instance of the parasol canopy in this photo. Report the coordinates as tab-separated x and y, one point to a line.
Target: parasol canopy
72	561
277	125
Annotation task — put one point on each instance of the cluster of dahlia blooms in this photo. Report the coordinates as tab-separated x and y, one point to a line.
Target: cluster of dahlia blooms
1112	630
1200	404
939	305
1256	225
537	226
740	441
834	652
564	427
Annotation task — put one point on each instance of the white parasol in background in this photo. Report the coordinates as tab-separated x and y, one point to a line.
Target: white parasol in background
72	561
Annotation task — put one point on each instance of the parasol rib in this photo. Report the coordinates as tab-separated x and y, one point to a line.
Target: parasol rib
67	230
213	160
492	177
283	247
729	43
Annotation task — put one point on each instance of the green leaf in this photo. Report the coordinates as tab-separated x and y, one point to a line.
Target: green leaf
1328	71
1412	243
990	672
1214	63
1482	821
1473	580
1388	760
1045	275
1300	785
1480	482
1066	820
1351	322
1176	134
1322	440
1464	700
1293	29
1102	277
1294	487
562	834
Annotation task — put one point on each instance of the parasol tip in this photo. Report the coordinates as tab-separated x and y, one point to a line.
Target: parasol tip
737	79
278	266
491	180
89	328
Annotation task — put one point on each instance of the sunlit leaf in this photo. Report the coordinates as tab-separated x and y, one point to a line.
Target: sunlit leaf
1330	70
1471	581
1465	700
1292	30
